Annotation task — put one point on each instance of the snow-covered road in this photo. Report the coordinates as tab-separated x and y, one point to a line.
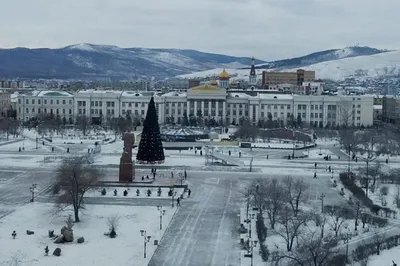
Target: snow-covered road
204	230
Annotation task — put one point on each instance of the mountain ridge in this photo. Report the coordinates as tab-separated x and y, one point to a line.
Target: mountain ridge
93	61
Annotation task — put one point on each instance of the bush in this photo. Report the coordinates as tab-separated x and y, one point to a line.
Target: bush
339	259
55	189
358	192
264	252
261	229
384	190
364	250
374	220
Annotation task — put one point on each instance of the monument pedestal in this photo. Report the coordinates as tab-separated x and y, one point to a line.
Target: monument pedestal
126	166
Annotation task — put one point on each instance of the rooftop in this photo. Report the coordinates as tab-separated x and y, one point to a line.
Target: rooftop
275	96
45	93
174	94
105	93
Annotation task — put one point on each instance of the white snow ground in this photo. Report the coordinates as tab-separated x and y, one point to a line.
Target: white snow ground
98	249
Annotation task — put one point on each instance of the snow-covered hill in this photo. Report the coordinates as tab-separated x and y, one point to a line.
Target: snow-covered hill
384	64
362	67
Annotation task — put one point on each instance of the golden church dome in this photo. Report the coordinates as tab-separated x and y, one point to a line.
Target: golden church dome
214	83
224	75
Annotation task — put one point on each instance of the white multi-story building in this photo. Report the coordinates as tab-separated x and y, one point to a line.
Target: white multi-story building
32	104
210	102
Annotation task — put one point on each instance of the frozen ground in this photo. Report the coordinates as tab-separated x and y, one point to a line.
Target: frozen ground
386	258
319	153
98	249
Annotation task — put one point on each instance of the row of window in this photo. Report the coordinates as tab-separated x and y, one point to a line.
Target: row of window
39	110
45	101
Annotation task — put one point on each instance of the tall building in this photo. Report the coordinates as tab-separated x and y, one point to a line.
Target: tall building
252	75
391	109
293	78
5	103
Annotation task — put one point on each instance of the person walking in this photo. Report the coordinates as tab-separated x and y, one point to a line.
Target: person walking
189	192
315	175
178	202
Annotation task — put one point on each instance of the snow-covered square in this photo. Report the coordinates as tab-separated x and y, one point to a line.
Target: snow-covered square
98	249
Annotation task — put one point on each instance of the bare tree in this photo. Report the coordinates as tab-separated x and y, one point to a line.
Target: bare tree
257	192
320	222
74	178
291	226
378	240
389	144
313	250
364	217
274	201
247	131
357	211
338	217
9	126
374	172
295	192
396	196
113	223
346	114
383	191
83	123
368	146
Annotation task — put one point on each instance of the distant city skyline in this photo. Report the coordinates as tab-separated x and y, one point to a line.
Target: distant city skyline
266	29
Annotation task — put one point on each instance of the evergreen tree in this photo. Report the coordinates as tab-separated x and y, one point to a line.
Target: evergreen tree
185	120
150	147
298	120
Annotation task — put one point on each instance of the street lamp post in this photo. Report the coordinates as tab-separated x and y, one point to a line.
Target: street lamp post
248	221
37	138
146	239
293	144
347	246
173	198
252	245
32	189
162	213
322	201
181	177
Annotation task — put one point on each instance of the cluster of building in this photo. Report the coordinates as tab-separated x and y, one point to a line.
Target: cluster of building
210	101
282	96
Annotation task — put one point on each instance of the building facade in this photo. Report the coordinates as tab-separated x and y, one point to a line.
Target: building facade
293	78
32	104
5	103
207	101
391	109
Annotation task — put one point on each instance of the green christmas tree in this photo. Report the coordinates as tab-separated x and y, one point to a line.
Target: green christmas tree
150	146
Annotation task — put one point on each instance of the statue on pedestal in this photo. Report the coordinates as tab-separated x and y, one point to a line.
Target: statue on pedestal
126	165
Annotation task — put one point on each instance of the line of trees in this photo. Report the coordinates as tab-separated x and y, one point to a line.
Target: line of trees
280	202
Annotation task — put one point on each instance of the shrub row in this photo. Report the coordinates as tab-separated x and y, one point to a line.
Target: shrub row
374	220
358	192
261	228
262	235
365	250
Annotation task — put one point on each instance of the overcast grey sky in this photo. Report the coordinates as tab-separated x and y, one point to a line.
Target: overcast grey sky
267	29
